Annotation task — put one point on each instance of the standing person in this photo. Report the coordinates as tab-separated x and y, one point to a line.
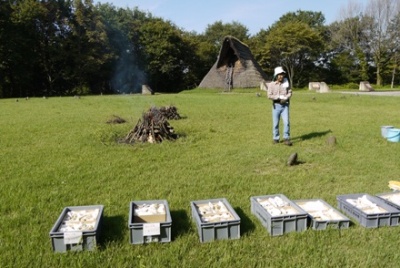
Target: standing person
280	93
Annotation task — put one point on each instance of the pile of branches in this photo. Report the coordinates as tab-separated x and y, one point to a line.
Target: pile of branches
116	120
153	127
170	112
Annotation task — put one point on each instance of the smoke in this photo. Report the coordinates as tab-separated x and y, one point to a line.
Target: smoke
128	77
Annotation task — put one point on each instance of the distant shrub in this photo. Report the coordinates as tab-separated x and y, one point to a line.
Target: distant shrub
351	86
348	86
81	90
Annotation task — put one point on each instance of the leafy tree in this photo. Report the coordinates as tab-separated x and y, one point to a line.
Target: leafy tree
136	38
370	37
315	20
394	64
126	69
382	34
200	58
257	46
166	54
90	46
216	32
52	31
7	29
296	41
24	45
62	47
348	37
345	66
293	45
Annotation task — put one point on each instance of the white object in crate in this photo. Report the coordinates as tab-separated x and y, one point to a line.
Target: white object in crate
277	206
363	208
149	221
77	228
214	212
319	211
149	209
79	220
393	198
364	204
323	215
278	214
215	219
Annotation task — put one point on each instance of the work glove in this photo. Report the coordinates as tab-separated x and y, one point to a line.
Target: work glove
283	101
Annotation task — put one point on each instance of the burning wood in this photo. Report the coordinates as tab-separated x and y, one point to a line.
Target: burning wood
153	127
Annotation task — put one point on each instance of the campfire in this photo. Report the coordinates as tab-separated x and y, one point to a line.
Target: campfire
153	127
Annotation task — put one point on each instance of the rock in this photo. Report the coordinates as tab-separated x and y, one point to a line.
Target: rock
331	140
292	160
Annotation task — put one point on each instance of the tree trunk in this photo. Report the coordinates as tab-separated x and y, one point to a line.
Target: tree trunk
378	75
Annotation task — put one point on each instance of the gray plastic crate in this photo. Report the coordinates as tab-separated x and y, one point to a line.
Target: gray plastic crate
385	197
142	232
369	220
88	239
338	222
280	224
211	231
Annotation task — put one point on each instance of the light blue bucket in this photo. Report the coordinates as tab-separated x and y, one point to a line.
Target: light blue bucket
384	130
393	135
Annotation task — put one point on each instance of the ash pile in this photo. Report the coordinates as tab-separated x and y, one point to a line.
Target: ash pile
153	127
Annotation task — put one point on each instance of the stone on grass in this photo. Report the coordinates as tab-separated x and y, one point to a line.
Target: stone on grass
331	140
292	160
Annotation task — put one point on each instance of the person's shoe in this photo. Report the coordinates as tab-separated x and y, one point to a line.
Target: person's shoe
275	141
287	142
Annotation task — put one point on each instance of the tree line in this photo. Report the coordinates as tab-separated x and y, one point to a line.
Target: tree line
75	47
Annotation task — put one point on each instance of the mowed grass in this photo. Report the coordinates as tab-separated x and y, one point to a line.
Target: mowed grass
60	152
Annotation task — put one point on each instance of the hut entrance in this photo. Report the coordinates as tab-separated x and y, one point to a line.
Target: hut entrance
228	65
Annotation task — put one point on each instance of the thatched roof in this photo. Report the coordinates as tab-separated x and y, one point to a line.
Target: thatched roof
234	68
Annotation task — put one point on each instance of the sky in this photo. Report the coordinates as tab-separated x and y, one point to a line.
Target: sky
196	15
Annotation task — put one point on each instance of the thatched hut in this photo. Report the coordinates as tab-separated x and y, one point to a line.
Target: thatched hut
234	68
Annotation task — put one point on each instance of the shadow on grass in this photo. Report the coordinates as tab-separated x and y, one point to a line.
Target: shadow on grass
181	223
311	135
182	117
297	163
181	135
246	225
113	229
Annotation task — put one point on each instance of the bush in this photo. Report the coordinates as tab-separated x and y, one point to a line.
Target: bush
81	90
348	86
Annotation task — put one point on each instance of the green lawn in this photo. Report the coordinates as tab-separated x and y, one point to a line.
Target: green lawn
59	152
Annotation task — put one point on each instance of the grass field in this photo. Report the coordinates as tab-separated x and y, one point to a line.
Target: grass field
60	152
